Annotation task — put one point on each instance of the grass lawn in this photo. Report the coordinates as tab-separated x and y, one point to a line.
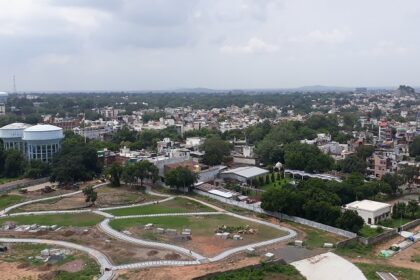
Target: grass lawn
264	272
9	199
394	223
78	220
177	205
355	250
315	238
275	184
415	258
369	270
199	225
7	180
367	231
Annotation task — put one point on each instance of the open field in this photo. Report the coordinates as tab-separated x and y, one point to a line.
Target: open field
369	271
21	262
203	229
107	196
80	220
314	238
9	199
177	205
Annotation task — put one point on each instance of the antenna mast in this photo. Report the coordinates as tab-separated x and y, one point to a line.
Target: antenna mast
14	84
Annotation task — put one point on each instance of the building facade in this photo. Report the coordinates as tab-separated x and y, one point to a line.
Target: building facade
38	142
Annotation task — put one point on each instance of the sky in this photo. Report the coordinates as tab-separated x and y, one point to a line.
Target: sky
65	45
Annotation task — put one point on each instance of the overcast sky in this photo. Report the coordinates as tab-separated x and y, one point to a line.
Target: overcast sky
167	44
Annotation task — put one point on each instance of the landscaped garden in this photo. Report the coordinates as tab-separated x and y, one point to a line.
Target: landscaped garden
176	205
203	231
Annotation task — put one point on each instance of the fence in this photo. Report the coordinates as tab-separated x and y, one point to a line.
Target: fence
22	183
258	209
410	224
378	238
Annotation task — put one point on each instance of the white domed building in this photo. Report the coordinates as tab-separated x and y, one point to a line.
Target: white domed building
12	136
38	142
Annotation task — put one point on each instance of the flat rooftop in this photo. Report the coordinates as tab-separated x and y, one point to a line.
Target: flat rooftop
247	171
368	205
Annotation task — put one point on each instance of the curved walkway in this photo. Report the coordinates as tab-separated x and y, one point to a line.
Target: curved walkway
106	266
104	225
8	209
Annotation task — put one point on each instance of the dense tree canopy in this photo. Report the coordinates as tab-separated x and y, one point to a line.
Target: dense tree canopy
306	157
414	147
181	177
76	161
353	164
215	150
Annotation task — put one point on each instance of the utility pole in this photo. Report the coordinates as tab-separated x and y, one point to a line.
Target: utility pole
14	84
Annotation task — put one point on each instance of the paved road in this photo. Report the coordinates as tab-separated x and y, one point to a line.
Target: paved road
106	266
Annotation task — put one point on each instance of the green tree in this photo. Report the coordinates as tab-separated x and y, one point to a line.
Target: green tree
115	172
365	151
215	150
37	169
14	164
353	164
393	180
77	161
409	173
181	177
414	147
350	220
90	195
306	157
412	208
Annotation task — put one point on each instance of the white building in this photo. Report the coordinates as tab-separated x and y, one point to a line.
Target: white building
242	174
371	211
38	142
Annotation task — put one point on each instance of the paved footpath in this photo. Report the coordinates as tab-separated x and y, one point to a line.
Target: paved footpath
104	225
8	209
106	266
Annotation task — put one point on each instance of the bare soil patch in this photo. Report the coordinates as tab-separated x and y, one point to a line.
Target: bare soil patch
107	196
14	271
73	266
